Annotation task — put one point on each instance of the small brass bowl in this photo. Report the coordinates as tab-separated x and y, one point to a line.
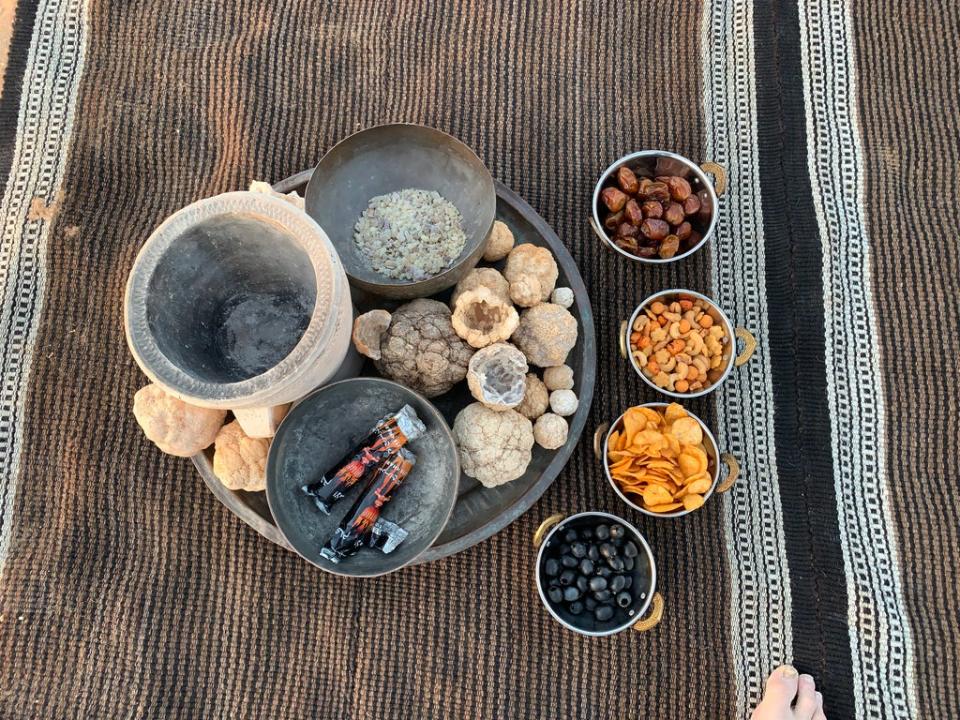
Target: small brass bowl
730	360
644	575
650	163
601	440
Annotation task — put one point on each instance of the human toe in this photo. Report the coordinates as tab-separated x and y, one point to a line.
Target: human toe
807	701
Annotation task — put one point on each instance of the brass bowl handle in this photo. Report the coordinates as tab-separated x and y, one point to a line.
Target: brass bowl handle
654	618
623	339
733	472
541	532
598	231
719	176
749	345
598	438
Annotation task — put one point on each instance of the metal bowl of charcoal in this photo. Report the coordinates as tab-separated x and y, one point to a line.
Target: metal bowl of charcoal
362	476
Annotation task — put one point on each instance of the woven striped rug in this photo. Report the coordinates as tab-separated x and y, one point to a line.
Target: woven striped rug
126	590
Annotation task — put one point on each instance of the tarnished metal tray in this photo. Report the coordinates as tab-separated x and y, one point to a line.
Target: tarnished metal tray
479	512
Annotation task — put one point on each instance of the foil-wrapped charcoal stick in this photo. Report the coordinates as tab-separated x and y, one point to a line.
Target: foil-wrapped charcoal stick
386	438
363	524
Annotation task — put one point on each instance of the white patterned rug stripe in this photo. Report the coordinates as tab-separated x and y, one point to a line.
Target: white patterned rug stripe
44	128
880	642
760	605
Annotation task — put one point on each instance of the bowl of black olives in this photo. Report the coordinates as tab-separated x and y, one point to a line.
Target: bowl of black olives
596	574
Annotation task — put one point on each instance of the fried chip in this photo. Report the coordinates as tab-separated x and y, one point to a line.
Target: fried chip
656	495
699	486
665	508
692	501
692	461
673	412
687	431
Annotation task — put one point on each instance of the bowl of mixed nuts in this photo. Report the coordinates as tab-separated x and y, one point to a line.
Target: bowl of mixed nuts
655	206
682	344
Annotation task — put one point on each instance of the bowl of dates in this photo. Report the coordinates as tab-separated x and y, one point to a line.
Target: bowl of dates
656	207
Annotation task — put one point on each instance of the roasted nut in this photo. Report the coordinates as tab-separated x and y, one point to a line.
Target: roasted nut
679	188
614	199
669	246
658	191
683	230
655	229
673	213
627	180
691	205
652	209
627	230
632	213
612	220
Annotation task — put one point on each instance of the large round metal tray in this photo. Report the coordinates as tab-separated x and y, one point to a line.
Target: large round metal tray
479	512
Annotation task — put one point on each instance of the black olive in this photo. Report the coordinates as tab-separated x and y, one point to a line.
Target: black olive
628	563
604	571
608	550
601	596
554	582
571	593
564	550
575	608
590	603
628	582
555	594
598	583
603	613
586	533
570	536
593	553
617	583
630	550
602	532
617	531
567	577
616	564
618	543
624	599
586	566
582	584
568	561
578	549
551	567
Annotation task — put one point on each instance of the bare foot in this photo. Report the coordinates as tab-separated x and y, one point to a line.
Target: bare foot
790	696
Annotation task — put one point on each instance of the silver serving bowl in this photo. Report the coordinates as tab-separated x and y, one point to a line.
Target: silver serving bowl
388	158
649	163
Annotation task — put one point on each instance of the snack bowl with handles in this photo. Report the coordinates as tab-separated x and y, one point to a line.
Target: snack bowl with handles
646	598
601	440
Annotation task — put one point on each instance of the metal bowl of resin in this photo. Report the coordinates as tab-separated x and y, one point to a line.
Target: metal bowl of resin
320	430
384	159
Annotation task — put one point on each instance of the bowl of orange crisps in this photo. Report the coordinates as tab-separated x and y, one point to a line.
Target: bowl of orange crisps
663	460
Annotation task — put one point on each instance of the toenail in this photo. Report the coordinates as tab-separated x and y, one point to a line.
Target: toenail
788	671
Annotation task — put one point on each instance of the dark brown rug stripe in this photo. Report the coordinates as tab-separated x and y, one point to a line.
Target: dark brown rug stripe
140	594
907	145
